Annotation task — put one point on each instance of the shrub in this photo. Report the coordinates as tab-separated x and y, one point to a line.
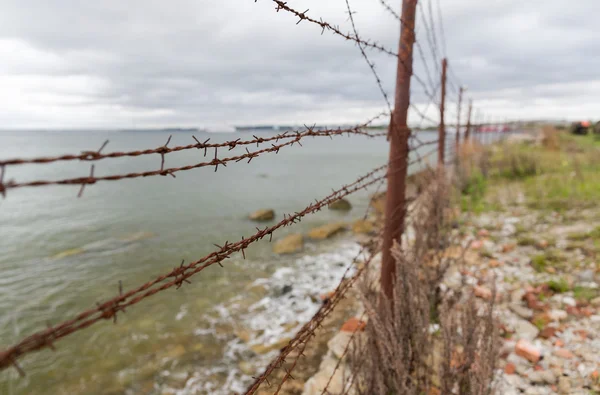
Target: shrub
405	350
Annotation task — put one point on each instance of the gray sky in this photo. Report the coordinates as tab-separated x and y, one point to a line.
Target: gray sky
139	63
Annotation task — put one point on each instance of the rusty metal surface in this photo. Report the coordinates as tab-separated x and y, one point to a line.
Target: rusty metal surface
399	149
442	127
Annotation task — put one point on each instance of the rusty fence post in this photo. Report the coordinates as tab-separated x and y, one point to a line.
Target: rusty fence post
442	127
468	131
460	95
399	134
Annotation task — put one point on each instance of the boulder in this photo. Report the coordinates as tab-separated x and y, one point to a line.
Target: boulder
340	205
262	349
289	244
363	226
262	215
326	231
378	203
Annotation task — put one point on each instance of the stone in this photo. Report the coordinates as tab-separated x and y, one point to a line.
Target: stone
557	315
262	215
378	203
495	263
326	231
483	233
246	368
340	205
289	244
338	343
286	289
569	301
317	383
564	385
526	350
353	325
175	352
363	226
510	368
548	377
586	276
547	332
477	244
243	335
517	295
261	349
521	311
536	377
525	330
564	353
508	248
595	302
482	292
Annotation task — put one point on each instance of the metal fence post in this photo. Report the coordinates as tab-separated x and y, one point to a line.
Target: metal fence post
398	162
460	95
442	127
468	131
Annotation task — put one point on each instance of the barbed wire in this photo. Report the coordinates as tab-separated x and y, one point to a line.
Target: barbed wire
417	42
88	156
429	39
369	63
432	25
282	5
442	31
179	276
309	329
341	359
216	161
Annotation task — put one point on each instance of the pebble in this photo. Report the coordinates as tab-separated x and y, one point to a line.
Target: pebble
558	315
522	311
525	330
564	353
564	385
586	276
569	301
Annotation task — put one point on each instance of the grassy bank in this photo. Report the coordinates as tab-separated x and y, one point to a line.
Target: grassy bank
557	172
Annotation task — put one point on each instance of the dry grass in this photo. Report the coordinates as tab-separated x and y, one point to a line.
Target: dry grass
551	138
403	352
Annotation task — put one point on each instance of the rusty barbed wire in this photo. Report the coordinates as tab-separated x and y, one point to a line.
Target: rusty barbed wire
341	359
369	63
417	42
216	161
428	34
309	329
282	5
179	275
88	156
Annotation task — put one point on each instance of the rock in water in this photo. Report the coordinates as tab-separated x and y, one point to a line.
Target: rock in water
378	203
340	205
362	226
326	231
289	244
262	215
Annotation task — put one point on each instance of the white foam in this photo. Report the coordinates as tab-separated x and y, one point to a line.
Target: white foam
276	316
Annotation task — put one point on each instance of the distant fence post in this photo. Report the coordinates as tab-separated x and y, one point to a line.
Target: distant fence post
460	95
398	161
442	127
468	131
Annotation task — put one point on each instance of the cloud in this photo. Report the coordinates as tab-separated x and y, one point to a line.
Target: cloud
200	62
